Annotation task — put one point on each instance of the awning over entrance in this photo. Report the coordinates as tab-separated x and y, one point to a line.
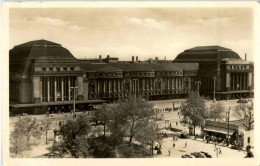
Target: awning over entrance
219	130
57	103
232	92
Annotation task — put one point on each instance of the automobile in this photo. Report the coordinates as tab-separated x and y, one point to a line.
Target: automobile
206	154
187	156
241	101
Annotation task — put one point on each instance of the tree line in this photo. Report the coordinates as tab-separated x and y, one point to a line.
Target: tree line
128	129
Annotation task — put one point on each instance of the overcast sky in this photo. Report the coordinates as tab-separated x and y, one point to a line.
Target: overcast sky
143	32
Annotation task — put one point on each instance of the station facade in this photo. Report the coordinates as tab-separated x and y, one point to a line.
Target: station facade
43	73
221	71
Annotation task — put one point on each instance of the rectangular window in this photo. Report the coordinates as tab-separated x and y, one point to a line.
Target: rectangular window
248	140
44	69
71	68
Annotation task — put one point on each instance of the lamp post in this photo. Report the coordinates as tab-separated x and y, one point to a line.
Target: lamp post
214	87
198	86
228	116
74	96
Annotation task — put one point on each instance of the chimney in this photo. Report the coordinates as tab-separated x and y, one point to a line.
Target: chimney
136	58
100	57
245	57
133	58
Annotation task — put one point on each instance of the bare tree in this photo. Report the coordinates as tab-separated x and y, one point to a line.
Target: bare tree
245	115
216	111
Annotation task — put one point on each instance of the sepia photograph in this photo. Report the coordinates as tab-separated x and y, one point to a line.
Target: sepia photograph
154	82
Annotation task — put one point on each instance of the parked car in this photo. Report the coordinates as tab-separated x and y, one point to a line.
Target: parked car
241	101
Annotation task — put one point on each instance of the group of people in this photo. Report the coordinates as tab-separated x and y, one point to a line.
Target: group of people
158	148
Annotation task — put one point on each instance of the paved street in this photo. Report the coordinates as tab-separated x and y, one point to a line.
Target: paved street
195	146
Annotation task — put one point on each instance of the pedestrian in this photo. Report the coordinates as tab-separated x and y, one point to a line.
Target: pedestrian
170	125
173	145
176	123
220	152
249	153
178	113
185	144
169	151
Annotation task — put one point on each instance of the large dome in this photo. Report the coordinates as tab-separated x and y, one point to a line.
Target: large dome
38	52
204	53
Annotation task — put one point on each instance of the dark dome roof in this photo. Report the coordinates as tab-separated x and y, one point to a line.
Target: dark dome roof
41	42
207	53
38	52
39	49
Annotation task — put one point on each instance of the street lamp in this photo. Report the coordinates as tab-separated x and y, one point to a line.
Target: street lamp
214	91
198	86
74	96
228	116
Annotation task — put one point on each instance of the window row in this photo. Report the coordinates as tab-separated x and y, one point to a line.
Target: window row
70	68
239	67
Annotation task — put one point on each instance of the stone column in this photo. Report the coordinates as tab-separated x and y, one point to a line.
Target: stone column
182	83
236	82
98	82
85	87
104	86
48	89
189	83
118	85
249	81
114	85
172	83
62	89
80	85
36	87
69	89
180	86
154	86
122	87
244	82
108	86
147	84
40	89
240	85
176	83
233	82
143	85
55	89
151	83
228	81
